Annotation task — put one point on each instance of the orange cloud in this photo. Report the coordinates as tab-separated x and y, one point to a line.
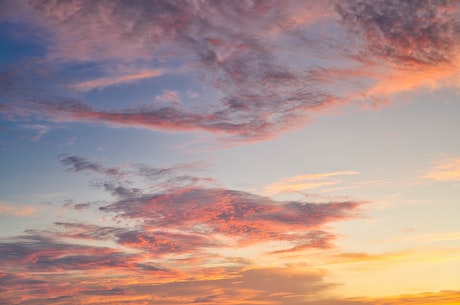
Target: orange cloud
448	170
414	77
404	45
426	298
409	256
304	182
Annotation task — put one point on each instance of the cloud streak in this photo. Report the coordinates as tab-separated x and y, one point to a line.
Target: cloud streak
448	170
304	182
116	80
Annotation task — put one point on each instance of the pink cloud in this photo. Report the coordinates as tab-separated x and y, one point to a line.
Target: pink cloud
177	213
17	210
246	218
106	81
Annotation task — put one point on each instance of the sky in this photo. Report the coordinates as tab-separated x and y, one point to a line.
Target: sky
292	152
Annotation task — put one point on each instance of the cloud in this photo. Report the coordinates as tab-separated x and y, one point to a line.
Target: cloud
118	181
169	96
40	129
448	170
304	182
155	242
77	206
314	239
404	46
163	243
246	116
409	32
116	80
192	212
40	254
41	268
273	286
244	217
17	210
43	252
435	298
141	29
242	53
77	164
180	213
259	92
254	286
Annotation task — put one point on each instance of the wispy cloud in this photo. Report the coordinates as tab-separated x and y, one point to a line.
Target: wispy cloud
41	130
77	164
17	210
305	182
103	82
402	257
118	181
448	170
435	298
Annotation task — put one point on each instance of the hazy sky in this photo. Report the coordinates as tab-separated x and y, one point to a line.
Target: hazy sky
230	152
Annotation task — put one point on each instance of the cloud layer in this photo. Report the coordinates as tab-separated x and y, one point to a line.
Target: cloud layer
171	239
261	59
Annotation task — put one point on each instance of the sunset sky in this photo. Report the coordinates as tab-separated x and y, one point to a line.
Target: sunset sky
299	152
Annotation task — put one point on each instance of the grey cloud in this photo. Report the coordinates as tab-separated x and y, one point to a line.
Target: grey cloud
78	164
36	253
155	243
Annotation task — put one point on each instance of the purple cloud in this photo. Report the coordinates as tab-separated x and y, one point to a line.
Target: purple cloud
230	44
407	32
